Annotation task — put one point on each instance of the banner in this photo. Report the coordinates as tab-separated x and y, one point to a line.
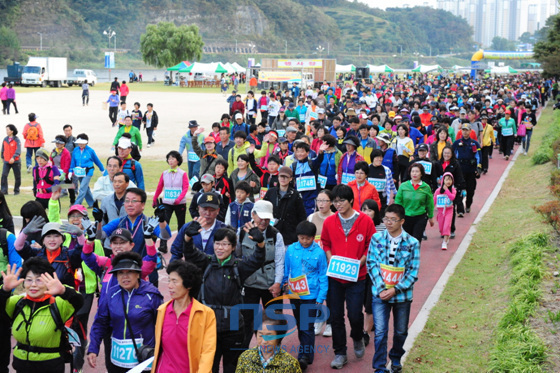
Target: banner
109	60
312	64
278	76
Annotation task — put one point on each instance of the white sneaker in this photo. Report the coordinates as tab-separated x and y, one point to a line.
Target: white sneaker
328	331
444	245
149	145
318	327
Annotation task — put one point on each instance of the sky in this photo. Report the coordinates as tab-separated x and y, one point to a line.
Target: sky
397	4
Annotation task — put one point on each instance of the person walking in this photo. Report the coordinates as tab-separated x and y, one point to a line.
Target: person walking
393	261
468	154
150	120
34	139
509	130
81	167
11	96
11	151
4	97
85	93
113	102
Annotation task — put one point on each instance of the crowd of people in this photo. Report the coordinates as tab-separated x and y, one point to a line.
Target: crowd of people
321	195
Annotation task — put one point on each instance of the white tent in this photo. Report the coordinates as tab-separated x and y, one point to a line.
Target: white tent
345	68
238	68
457	68
427	68
205	68
501	70
375	69
230	69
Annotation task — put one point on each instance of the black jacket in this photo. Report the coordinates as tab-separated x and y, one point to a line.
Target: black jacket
288	211
455	169
222	284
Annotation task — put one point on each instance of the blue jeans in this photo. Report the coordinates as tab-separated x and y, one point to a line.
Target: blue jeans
381	313
29	156
353	294
194	170
526	141
306	333
85	191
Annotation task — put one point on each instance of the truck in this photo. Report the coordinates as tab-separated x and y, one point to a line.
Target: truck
81	75
45	71
14	73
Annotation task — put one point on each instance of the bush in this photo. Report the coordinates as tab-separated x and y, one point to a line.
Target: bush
551	213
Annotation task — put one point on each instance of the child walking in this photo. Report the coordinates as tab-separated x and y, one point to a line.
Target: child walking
305	274
239	211
443	199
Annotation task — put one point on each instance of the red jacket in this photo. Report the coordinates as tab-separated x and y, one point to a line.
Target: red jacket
11	149
124	90
65	160
238	106
353	246
368	191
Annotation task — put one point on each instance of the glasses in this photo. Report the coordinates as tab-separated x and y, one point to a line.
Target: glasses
339	201
222	244
31	281
323	201
392	220
131	201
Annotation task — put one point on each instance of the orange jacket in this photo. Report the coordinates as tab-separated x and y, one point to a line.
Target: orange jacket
201	339
367	191
33	143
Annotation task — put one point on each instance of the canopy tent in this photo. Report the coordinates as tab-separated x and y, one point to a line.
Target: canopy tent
375	69
238	68
179	66
345	68
230	69
205	68
457	68
427	68
501	70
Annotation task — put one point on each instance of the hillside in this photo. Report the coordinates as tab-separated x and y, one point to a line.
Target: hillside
75	27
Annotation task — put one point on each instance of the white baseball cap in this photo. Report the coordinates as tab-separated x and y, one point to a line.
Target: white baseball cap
263	209
124	143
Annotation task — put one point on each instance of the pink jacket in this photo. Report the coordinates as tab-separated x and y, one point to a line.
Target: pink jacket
443	199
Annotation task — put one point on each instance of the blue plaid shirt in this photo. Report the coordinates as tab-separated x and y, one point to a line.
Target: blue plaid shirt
407	255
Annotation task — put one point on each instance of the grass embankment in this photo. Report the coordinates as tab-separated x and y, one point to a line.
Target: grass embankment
461	331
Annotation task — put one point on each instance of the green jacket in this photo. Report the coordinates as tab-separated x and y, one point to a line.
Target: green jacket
416	202
233	154
90	278
134	132
40	332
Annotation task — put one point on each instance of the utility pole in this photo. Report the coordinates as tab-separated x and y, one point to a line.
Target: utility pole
41	36
359	49
286	43
401	49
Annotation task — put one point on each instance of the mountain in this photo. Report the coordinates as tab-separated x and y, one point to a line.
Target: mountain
75	27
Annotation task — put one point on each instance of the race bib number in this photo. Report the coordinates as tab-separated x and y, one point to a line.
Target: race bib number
80	171
313	115
344	268
192	157
391	275
171	193
322	181
318	240
306	183
379	184
346	178
193	180
495	134
507	131
281	133
122	352
298	285
427	167
302	118
443	201
263	192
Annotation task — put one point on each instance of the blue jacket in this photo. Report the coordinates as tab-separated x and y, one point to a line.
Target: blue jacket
13	256
416	136
137	231
134	171
86	159
312	262
186	143
142	304
239	127
113	101
467	152
240	213
177	246
64	264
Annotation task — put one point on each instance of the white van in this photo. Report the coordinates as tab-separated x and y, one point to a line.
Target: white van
81	75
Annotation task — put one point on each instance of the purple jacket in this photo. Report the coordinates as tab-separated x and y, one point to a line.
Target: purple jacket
11	94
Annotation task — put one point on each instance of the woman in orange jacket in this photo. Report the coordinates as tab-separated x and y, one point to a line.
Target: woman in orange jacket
362	189
185	328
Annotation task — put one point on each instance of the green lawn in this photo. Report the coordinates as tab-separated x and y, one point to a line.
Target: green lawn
459	334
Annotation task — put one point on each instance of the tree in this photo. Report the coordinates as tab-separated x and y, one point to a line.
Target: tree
9	45
547	51
526	38
502	44
165	44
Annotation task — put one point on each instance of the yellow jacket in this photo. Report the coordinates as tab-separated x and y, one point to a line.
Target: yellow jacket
488	137
201	340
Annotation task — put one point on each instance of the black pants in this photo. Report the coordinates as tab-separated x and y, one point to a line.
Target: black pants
48	366
486	152
229	345
470	180
251	119
16	167
43	201
113	111
508	144
85	98
5	346
11	102
123	98
80	325
455	208
253	296
150	133
4	106
415	225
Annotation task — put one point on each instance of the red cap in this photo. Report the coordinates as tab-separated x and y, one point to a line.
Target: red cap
209	139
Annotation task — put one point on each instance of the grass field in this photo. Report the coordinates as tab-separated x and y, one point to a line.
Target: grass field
459	334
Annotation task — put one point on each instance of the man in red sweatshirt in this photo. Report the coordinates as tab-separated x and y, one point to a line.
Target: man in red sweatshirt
345	237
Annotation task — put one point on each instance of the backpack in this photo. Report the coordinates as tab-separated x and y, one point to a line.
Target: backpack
32	132
65	348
